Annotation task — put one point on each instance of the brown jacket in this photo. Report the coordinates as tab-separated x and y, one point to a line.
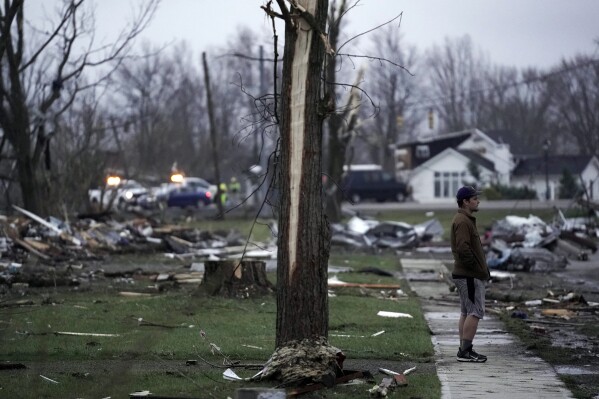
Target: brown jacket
468	254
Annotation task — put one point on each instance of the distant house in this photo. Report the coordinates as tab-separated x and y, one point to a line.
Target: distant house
439	179
436	167
541	176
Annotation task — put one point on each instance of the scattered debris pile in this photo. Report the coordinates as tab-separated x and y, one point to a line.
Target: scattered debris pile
558	317
368	233
39	252
528	244
299	363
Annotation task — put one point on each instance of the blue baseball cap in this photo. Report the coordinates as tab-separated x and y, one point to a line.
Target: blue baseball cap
466	192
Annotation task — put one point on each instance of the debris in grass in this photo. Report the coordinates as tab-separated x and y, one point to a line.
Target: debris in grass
12	366
230	375
49	379
384	313
134	294
85	334
142	322
387	385
140	394
252	346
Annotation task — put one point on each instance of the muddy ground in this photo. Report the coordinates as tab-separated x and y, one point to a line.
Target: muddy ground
569	340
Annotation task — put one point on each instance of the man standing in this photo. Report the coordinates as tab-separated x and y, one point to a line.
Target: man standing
469	273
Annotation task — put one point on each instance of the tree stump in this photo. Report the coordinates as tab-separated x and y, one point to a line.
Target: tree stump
236	279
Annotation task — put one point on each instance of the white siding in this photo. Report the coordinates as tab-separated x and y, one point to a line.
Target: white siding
453	168
590	177
497	153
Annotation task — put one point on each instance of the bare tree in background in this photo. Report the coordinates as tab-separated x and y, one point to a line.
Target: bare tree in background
575	104
82	132
143	89
39	82
343	121
456	74
157	101
394	90
517	102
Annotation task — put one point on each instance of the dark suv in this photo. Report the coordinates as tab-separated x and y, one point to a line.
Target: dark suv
373	184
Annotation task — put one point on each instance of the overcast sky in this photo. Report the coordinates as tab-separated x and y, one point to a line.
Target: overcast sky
511	32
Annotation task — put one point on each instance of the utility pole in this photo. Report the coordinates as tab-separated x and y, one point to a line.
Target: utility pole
215	158
546	145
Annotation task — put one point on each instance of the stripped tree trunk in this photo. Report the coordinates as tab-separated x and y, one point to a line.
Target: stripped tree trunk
303	252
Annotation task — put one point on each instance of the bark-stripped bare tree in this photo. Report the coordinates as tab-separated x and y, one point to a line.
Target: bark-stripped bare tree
303	231
303	242
39	82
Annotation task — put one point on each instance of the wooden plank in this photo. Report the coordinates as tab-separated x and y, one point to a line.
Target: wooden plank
31	249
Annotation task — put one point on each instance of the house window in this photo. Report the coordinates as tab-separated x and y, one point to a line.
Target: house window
422	151
448	183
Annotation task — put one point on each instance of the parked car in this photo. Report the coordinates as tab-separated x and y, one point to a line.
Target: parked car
371	182
188	197
199	183
121	195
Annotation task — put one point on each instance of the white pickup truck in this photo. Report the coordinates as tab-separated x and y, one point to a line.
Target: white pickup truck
118	196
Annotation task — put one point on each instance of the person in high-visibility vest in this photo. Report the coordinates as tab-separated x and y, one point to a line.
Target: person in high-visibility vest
223	193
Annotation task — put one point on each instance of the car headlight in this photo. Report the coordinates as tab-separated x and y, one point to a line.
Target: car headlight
128	195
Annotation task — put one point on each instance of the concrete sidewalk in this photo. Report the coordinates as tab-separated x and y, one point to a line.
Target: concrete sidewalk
511	372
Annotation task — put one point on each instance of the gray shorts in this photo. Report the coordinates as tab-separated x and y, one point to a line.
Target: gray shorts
472	296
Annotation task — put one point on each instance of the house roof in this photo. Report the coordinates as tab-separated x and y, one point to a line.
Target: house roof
476	158
556	164
436	145
446	137
452	152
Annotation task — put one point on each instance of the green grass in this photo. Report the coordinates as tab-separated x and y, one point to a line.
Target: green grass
237	327
244	330
257	231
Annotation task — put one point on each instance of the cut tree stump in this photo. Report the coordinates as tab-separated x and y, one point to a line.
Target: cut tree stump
232	278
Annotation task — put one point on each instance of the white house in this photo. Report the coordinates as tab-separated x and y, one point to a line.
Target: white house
498	153
439	179
544	176
436	167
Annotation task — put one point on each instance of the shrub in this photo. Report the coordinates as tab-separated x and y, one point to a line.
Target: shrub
568	187
499	191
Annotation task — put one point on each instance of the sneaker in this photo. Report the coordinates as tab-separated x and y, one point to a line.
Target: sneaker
470	356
